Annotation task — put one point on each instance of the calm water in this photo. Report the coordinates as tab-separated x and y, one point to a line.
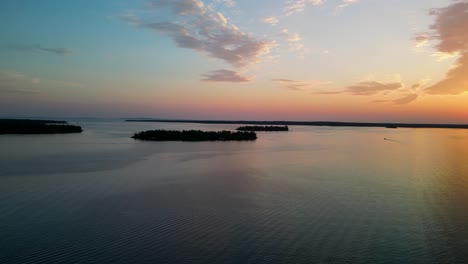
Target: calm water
313	195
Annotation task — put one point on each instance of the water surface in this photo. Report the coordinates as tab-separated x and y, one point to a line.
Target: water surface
311	195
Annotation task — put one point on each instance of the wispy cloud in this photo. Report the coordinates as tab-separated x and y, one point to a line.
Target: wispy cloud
294	42
372	88
58	51
422	39
193	25
129	17
346	3
17	83
450	32
228	3
7	77
291	37
328	92
283	80
298	6
390	92
297	85
11	82
224	76
272	20
36	47
406	99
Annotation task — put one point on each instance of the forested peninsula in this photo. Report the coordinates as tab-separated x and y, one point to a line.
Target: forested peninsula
30	126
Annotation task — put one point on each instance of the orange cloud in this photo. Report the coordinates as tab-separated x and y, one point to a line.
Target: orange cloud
450	30
371	88
406	99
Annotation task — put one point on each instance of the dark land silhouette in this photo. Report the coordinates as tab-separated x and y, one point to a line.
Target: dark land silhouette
263	128
308	123
29	126
194	135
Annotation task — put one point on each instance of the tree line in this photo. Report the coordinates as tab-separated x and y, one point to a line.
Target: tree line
28	126
194	135
263	128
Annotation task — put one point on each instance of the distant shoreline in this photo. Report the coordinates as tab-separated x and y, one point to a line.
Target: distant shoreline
308	123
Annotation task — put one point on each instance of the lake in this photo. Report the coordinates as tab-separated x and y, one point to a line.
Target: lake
311	195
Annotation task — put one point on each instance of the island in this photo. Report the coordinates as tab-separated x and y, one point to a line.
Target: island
31	126
263	128
194	135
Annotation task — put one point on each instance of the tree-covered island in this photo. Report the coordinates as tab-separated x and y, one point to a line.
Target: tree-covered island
30	126
263	128
194	135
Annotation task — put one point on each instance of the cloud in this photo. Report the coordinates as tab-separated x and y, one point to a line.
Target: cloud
17	83
270	20
282	80
58	51
378	101
228	3
346	3
34	47
300	85
441	56
7	77
179	7
406	99
11	82
328	92
422	39
130	18
294	42
290	37
450	32
298	6
192	25
224	76
392	92
372	87
456	79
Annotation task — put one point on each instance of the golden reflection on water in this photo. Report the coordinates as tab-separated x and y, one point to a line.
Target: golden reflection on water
444	157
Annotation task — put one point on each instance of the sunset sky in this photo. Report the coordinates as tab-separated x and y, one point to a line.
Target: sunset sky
337	60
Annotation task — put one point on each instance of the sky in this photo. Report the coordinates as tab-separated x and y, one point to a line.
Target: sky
313	60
